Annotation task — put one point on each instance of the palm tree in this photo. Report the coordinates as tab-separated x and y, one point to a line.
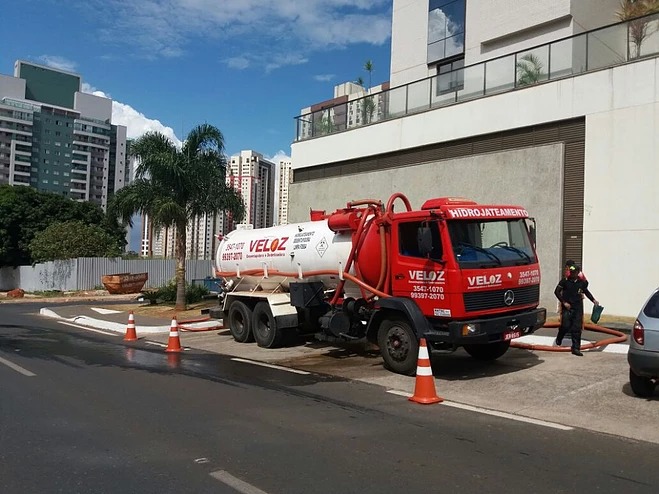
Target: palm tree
173	186
529	70
630	10
368	67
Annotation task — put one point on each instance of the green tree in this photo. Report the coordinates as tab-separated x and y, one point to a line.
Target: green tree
529	70
368	67
173	186
72	239
25	211
367	104
639	29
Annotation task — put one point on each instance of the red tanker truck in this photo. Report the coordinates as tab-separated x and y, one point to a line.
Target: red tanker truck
457	273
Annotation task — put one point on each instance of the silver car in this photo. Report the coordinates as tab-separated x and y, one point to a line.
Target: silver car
643	355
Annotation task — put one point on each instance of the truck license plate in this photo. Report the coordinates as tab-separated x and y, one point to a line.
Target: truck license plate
511	335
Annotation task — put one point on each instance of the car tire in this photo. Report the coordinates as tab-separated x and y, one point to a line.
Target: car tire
641	386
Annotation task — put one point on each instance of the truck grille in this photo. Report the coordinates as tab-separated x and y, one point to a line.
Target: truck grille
476	301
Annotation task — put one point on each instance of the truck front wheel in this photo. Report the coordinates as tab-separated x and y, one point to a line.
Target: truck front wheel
398	345
264	327
489	351
240	322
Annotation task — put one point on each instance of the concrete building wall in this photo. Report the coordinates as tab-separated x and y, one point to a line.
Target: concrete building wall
91	106
491	30
620	108
510	175
12	87
409	42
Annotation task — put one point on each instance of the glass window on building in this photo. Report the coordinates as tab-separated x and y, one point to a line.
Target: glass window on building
446	29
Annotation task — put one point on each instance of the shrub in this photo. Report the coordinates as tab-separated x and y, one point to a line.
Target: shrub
193	293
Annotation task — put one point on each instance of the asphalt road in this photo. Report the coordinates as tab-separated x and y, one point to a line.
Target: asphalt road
81	412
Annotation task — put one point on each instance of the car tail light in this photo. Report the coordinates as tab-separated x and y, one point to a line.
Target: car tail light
638	333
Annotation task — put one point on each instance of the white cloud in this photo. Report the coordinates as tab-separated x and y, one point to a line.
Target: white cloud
137	124
280	155
324	77
59	63
285	60
262	31
239	63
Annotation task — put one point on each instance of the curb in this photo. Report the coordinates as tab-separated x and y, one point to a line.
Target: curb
116	327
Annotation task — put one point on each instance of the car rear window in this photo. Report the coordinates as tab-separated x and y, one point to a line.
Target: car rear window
651	309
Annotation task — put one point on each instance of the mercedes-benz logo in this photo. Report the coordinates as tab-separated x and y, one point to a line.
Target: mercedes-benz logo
509	297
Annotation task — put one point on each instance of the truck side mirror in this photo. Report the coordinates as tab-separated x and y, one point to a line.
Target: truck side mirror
424	240
532	231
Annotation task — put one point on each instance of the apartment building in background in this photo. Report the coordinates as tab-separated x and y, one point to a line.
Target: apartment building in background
253	177
56	138
551	105
284	179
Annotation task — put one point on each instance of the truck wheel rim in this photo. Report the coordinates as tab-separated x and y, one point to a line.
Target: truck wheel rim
263	326
398	344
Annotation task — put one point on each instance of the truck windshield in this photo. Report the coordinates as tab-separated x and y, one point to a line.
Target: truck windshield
481	244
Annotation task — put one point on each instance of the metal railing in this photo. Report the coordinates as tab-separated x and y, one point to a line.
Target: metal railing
601	48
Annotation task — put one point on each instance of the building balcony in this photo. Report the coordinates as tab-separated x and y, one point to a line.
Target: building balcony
591	51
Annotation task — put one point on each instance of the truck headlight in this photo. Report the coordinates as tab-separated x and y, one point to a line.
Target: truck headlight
469	329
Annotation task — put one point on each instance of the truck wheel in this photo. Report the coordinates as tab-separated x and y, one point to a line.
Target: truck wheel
488	351
264	327
240	322
641	386
398	345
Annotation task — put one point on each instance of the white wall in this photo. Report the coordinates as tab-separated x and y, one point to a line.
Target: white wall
622	125
91	106
12	87
621	221
492	31
409	42
586	16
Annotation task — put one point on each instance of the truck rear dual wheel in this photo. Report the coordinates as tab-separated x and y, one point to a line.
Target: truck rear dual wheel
264	327
489	351
399	345
240	322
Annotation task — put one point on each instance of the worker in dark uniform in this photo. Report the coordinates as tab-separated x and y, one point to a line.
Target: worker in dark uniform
570	291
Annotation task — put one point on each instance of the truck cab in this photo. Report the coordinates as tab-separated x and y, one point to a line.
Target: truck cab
472	271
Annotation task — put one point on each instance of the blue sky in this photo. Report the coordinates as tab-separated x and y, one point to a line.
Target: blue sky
245	66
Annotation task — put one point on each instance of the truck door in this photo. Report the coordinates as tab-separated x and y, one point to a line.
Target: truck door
418	266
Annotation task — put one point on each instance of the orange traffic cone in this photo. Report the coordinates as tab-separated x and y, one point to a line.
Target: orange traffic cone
424	387
131	335
174	342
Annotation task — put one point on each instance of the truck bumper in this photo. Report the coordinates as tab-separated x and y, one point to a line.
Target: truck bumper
491	330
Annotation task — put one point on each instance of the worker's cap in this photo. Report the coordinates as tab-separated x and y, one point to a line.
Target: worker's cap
574	268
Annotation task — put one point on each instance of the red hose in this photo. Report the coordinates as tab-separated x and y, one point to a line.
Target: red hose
619	337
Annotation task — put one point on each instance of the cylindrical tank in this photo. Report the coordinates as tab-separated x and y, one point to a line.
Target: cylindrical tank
299	248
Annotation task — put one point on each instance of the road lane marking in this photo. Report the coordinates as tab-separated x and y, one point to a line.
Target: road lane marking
271	366
234	482
88	329
106	311
156	343
17	368
494	413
